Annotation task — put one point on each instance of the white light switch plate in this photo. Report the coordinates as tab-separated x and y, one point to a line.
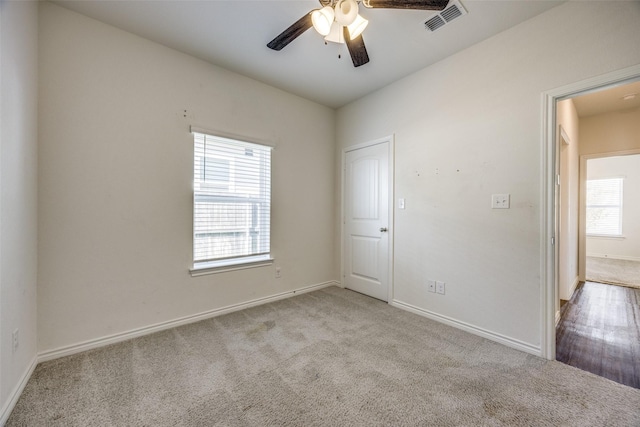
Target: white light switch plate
400	203
431	285
500	201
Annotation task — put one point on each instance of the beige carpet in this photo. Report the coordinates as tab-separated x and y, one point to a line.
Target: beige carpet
614	271
328	358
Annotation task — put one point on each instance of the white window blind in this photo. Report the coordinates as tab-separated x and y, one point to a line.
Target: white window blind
604	207
232	200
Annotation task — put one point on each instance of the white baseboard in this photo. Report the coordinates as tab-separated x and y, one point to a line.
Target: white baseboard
573	286
17	391
621	257
127	335
502	339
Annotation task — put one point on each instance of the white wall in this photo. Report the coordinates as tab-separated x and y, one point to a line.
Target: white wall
567	246
115	181
470	126
18	195
627	167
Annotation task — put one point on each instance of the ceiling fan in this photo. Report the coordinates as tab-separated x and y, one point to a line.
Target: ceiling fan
339	22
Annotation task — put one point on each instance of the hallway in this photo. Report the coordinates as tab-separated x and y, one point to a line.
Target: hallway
599	332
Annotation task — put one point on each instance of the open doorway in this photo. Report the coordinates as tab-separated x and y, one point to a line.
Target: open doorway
550	192
613	219
596	196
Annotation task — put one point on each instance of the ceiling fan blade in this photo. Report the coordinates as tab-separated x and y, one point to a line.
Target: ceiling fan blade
358	52
406	4
291	33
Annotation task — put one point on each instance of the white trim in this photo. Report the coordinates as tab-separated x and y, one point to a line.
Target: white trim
620	257
392	204
369	143
610	154
582	217
204	268
17	391
146	330
573	286
547	228
594	84
572	289
343	172
547	193
229	135
484	333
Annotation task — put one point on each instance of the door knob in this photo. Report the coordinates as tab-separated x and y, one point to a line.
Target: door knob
383	229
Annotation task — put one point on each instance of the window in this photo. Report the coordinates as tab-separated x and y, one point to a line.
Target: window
604	207
231	202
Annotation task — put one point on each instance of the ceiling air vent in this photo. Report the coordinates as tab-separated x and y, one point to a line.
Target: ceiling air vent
453	10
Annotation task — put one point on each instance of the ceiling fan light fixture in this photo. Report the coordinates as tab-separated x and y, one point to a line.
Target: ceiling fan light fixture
357	27
346	12
322	20
336	35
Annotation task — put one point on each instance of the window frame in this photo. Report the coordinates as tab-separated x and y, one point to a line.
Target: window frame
232	263
619	206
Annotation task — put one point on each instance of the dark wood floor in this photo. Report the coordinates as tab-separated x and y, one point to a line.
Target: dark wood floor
599	332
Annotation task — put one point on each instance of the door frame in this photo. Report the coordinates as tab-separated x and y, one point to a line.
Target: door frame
390	141
548	164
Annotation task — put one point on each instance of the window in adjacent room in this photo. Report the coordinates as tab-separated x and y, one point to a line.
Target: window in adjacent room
604	207
231	202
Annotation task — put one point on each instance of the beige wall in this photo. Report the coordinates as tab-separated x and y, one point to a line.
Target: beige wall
470	126
610	132
567	247
115	173
18	195
115	203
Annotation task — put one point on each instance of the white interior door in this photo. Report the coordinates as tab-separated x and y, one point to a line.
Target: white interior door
366	220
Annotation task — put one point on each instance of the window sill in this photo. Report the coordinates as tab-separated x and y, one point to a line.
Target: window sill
213	267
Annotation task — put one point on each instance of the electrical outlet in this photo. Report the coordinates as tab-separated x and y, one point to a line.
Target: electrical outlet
500	201
278	273
440	288
15	338
431	285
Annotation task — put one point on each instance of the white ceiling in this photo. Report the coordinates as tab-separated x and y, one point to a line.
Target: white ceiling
233	34
608	100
